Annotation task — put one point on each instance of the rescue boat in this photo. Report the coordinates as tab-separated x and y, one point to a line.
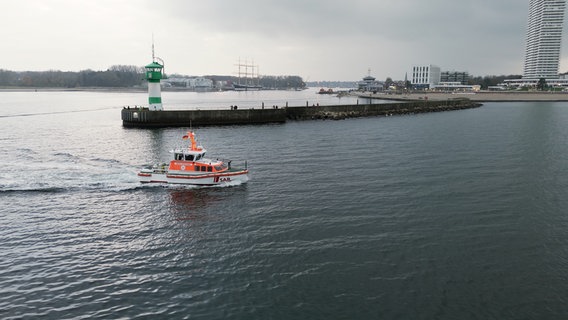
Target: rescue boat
189	166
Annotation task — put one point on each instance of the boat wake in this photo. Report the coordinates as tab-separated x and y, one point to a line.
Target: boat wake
65	172
54	189
6	190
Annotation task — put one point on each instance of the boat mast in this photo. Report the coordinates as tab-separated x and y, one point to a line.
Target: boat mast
249	77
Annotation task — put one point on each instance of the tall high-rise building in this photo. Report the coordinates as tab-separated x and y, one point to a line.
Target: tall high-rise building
544	39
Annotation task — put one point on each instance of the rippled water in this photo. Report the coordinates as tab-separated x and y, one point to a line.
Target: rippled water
455	215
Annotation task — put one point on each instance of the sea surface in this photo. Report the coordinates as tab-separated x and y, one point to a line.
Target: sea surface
452	215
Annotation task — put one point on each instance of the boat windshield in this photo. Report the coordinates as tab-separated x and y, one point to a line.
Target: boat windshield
181	156
221	167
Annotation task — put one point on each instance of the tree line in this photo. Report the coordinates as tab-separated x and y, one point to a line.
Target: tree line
282	82
124	76
117	76
489	81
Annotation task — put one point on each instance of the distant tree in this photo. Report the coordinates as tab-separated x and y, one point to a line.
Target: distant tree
8	78
487	81
126	69
388	83
541	85
280	82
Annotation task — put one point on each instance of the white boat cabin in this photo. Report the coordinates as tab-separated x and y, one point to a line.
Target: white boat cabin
189	155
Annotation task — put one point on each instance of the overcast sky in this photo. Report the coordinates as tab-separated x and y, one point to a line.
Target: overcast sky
315	39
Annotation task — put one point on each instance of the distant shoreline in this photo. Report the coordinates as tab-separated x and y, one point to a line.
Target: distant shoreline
86	89
484	96
477	97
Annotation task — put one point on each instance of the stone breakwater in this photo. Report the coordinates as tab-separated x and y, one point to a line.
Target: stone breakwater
143	118
371	110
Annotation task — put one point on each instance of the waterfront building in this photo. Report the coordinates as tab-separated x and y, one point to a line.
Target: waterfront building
425	77
201	84
559	82
455	76
193	83
447	86
544	38
370	84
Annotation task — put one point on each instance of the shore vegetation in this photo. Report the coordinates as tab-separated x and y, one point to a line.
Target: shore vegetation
118	76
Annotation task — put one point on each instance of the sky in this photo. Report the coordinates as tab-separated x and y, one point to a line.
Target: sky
315	39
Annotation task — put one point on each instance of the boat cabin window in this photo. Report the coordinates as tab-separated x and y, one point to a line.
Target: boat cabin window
204	168
181	156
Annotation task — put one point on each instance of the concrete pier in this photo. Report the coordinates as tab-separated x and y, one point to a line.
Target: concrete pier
144	118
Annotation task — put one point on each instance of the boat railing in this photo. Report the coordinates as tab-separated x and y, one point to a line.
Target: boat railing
239	164
160	168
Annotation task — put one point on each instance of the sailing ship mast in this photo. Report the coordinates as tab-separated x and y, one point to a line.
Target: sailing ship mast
248	81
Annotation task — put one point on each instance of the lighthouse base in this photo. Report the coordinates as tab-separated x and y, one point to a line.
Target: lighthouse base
155	107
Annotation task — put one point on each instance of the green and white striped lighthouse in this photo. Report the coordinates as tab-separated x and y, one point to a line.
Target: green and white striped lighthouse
154	73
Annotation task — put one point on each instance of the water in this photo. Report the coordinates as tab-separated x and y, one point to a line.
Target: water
454	215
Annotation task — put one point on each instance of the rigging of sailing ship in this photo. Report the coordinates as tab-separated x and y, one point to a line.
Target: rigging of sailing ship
248	79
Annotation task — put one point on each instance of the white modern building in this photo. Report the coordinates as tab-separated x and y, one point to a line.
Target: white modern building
544	38
196	83
456	86
426	77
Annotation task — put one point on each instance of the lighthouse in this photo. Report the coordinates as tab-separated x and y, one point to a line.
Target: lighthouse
155	73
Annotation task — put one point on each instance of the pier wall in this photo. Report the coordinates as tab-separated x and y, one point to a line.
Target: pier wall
144	118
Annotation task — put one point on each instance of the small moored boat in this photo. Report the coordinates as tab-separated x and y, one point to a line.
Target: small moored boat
190	166
323	91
